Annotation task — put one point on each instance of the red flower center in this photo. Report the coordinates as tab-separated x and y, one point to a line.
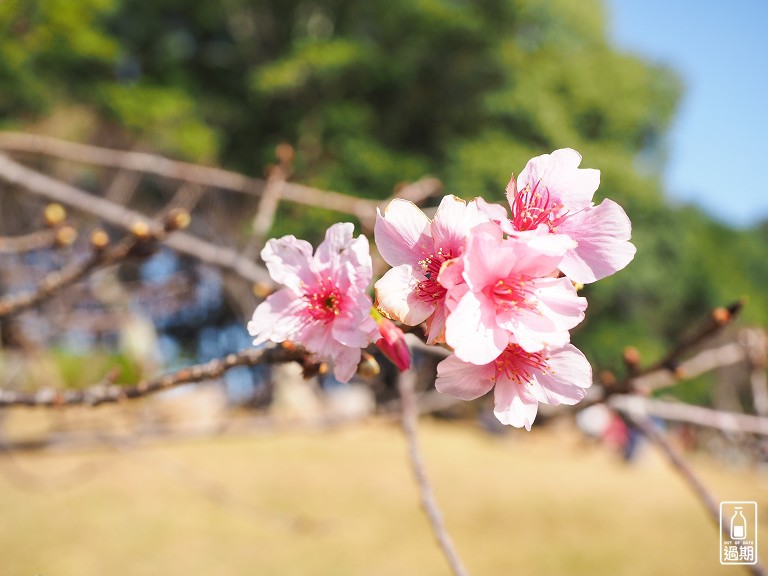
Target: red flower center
325	303
518	365
430	290
534	206
512	292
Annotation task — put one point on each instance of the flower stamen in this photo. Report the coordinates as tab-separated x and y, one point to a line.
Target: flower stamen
518	365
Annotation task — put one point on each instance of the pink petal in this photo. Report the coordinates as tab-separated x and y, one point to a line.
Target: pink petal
463	380
278	318
337	239
603	234
556	309
537	252
533	332
348	329
436	324
451	272
402	233
569	375
559	302
560	174
452	222
359	256
318	339
494	212
397	296
288	261
486	257
345	362
472	332
513	404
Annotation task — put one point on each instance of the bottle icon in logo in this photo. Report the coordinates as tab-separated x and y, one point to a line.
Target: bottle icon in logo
738	525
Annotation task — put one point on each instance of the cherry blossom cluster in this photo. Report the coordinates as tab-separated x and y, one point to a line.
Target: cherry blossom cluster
495	287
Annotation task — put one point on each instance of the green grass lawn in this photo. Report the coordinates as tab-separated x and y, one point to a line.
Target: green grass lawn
343	503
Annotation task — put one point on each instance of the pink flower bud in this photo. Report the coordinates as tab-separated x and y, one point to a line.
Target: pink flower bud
392	344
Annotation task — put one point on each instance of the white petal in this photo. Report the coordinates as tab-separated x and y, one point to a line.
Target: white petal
278	318
402	233
288	261
567	379
397	296
337	239
452	222
471	331
513	405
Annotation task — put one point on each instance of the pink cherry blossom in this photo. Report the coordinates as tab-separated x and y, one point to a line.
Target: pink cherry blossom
417	248
552	190
520	380
324	305
509	294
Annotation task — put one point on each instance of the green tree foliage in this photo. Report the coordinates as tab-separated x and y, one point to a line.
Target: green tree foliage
374	93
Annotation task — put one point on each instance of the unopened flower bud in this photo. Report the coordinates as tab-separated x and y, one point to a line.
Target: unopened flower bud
54	214
392	343
368	367
284	153
66	236
140	230
721	316
177	219
99	239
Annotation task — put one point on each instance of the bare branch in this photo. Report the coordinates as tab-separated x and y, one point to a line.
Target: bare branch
269	201
28	242
718	319
703	362
42	185
428	502
112	393
130	161
681	412
101	255
363	209
123	186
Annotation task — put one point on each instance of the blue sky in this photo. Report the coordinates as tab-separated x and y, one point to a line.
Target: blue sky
718	144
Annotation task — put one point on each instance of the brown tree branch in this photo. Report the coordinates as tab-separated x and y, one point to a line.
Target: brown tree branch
428	502
681	412
50	188
717	319
101	255
363	209
26	243
111	393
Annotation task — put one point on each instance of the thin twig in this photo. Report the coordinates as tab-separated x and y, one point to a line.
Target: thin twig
718	319
113	213
677	462
682	412
428	502
101	255
363	209
38	240
112	393
269	201
55	281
